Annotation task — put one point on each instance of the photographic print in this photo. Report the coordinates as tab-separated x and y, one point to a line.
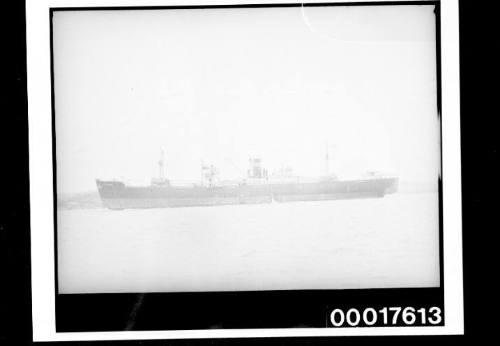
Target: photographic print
226	169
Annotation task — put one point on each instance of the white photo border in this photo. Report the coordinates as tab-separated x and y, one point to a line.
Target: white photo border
42	184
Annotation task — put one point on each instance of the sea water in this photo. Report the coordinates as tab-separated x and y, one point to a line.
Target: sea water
359	243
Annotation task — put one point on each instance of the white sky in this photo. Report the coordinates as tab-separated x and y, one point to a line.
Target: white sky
225	84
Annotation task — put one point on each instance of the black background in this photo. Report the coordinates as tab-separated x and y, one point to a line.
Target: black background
229	310
480	174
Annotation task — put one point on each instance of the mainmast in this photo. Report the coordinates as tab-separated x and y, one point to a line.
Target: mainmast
161	165
327	161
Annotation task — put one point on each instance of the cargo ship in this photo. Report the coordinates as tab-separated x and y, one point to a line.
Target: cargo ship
256	188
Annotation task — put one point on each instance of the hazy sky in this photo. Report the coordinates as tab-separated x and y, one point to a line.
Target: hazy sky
225	84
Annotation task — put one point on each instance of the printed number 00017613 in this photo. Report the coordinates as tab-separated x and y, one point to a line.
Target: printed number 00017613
391	316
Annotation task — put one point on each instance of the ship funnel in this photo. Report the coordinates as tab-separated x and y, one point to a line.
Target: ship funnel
256	171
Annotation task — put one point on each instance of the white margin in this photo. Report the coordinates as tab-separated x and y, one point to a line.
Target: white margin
41	185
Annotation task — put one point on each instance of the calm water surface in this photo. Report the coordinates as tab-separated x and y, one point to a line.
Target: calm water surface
364	243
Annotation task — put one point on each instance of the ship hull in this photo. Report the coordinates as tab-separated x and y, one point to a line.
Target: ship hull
145	203
116	195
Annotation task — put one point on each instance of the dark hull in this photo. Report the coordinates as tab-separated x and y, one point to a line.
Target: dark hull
116	195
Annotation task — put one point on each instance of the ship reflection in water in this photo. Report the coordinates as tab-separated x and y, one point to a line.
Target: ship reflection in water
257	188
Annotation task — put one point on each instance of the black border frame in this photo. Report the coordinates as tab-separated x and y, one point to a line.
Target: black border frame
228	310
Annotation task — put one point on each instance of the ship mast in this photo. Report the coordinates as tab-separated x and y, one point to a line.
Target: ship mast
327	161
202	173
161	165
